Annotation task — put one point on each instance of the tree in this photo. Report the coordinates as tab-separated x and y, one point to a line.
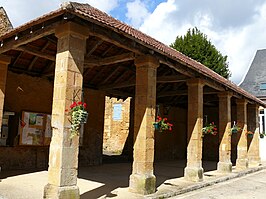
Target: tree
196	46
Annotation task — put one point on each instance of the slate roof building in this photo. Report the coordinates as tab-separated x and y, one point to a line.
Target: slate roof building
255	79
255	83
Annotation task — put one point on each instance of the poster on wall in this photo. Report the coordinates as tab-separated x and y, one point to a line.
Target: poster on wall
35	129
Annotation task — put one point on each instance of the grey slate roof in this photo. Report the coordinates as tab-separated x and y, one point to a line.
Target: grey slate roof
256	75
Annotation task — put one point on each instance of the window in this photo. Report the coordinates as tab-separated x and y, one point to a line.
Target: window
117	112
262	86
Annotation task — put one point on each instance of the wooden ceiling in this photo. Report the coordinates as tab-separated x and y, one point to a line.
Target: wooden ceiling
109	63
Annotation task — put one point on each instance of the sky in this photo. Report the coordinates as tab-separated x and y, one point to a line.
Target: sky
237	28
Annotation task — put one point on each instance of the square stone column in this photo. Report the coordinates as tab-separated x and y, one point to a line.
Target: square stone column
224	164
4	61
253	125
194	170
242	148
63	157
142	179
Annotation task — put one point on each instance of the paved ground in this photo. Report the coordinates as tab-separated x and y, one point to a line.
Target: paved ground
252	186
111	181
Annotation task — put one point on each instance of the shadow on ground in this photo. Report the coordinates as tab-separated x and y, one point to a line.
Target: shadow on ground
116	175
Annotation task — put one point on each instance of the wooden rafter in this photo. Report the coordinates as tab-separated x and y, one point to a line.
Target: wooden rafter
51	40
92	61
36	58
108	49
111	74
162	79
171	79
115	38
182	92
48	30
17	58
94	48
35	52
179	68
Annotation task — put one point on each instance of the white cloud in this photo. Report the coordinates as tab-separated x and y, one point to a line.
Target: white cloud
136	12
235	28
104	5
22	11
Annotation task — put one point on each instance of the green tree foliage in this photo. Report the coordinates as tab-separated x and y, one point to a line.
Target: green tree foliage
196	46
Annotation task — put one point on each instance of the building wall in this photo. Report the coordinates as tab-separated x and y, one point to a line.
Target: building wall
26	93
5	24
115	130
210	149
170	145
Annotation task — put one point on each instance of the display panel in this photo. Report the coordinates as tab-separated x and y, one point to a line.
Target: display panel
35	129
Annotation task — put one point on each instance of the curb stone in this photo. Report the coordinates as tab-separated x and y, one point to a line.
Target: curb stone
170	192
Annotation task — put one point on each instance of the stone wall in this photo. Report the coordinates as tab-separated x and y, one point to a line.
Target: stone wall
210	149
91	149
35	94
5	24
171	145
115	130
23	157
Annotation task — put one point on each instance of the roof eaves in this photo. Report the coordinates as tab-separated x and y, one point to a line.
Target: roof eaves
31	23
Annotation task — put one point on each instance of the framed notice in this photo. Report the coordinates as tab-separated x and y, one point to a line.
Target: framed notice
35	129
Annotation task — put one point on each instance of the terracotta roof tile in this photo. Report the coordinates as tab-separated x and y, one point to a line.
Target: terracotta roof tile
93	13
106	20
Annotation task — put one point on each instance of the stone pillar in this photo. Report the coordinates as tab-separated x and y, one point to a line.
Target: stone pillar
253	125
242	160
194	170
142	179
224	164
4	61
63	157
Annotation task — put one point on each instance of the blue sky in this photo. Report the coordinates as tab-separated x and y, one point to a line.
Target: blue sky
236	28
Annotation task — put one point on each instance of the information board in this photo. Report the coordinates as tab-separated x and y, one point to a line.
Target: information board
35	129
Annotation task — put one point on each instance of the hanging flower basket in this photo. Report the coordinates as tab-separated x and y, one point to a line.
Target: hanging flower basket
209	129
250	134
262	135
235	129
156	126
162	124
78	116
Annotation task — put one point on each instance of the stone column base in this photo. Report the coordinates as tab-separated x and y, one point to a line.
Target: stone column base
242	163
194	174
55	192
142	184
254	162
224	167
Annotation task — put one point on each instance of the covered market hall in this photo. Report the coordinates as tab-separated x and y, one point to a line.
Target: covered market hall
78	53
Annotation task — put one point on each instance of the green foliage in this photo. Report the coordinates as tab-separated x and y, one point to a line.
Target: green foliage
196	46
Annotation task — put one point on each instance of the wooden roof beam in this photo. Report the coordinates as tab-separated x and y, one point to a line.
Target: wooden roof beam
27	38
162	79
171	79
94	48
35	58
182	92
92	61
35	52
